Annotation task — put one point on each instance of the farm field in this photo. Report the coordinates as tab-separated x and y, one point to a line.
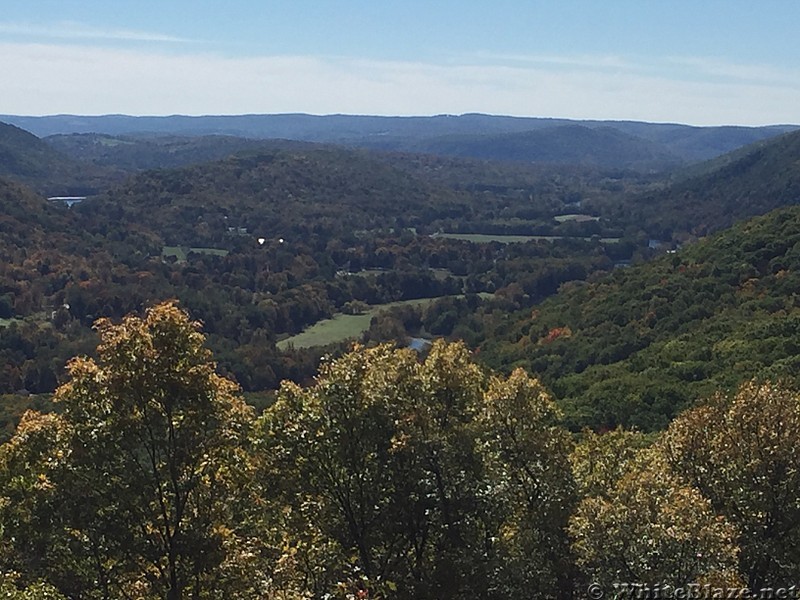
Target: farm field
440	274
181	252
578	218
342	327
482	238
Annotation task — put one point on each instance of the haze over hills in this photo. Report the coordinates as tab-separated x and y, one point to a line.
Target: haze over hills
670	143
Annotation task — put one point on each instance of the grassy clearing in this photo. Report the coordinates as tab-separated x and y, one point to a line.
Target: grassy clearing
440	274
481	238
368	273
516	222
575	217
340	327
344	327
181	252
111	142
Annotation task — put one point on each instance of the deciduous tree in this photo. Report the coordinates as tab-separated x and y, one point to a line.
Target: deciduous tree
139	483
743	452
653	528
425	479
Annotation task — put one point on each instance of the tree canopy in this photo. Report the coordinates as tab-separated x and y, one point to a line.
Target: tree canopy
390	476
133	487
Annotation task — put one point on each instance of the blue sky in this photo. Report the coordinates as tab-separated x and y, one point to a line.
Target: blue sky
699	62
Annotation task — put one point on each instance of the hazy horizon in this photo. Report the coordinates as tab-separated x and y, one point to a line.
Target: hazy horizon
712	63
387	116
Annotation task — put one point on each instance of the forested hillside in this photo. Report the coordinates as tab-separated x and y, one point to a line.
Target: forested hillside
752	182
137	153
418	354
605	147
278	193
422	469
27	159
637	347
263	245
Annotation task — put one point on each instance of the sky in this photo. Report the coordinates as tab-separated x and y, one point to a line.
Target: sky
701	62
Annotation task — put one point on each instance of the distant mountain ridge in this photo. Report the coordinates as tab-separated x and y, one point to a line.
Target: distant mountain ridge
675	142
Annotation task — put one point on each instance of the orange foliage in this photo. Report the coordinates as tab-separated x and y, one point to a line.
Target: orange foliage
555	333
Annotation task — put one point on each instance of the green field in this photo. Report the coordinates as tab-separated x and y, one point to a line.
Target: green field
575	217
181	252
368	273
440	274
343	327
482	238
329	331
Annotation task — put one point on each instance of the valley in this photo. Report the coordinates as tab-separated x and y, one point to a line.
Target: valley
486	343
280	236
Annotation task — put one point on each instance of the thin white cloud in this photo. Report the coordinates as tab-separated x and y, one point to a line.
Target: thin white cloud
54	78
581	61
714	67
75	30
691	68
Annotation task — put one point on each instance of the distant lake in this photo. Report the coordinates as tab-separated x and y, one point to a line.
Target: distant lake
419	344
68	200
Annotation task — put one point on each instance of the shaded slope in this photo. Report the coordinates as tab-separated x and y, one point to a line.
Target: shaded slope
27	159
26	219
751	183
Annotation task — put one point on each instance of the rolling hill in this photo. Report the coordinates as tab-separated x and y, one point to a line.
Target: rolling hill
23	156
132	153
274	194
603	147
29	160
193	233
405	134
26	217
749	182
